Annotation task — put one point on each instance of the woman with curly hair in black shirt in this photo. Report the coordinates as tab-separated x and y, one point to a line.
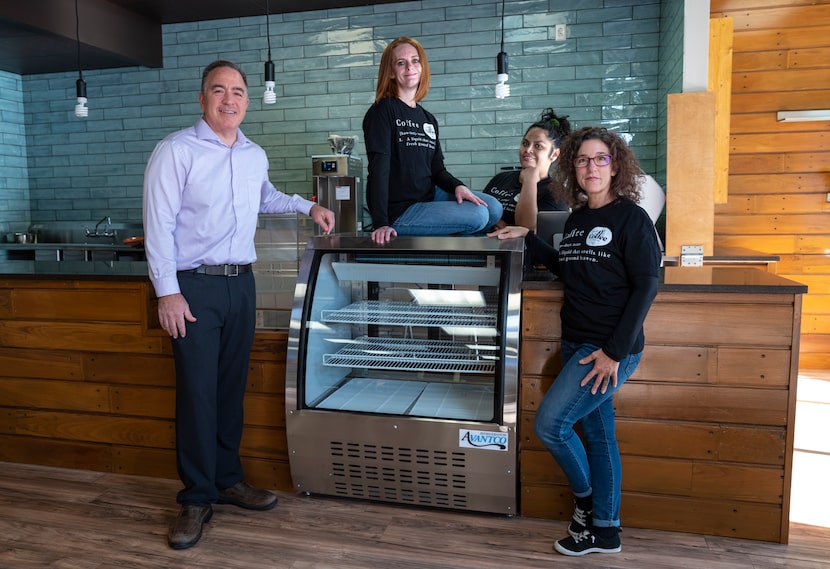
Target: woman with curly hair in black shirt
608	263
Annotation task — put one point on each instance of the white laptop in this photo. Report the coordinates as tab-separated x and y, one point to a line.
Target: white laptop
550	225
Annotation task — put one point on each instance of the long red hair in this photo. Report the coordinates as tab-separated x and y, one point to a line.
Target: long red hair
386	85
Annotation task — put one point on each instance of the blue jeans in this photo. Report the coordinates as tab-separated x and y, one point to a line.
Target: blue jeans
593	467
444	216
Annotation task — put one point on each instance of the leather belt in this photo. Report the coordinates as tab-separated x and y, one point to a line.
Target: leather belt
220	270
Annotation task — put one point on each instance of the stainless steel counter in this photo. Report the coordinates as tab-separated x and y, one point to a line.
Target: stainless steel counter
74	269
71	252
730	256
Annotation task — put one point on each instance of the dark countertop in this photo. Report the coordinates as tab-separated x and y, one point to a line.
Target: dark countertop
698	279
684	279
87	270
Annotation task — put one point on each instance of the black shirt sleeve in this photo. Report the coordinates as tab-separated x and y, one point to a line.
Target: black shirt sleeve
377	133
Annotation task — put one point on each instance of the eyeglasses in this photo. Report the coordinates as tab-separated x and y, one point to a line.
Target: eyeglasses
599	160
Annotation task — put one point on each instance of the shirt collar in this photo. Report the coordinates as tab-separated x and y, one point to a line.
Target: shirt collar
204	132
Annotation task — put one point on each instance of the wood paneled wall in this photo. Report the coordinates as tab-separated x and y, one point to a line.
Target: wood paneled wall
87	381
779	172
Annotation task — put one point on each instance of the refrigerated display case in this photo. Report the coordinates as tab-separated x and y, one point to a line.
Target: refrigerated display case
402	371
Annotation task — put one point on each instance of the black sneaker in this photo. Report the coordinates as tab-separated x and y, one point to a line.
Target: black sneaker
581	518
589	542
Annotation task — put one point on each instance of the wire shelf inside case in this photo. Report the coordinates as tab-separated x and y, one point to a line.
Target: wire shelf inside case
415	355
408	314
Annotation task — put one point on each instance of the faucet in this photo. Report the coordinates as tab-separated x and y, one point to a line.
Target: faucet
95	233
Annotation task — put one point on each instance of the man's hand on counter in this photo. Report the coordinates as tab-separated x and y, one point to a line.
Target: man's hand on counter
322	217
173	311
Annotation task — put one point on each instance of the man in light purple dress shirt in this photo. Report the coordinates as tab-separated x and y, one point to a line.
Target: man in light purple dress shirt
203	189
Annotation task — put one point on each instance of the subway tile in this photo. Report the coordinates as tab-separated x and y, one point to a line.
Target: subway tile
317	24
374	20
604	15
327	68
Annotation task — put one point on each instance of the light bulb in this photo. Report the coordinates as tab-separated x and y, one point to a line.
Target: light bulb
81	110
502	88
269	97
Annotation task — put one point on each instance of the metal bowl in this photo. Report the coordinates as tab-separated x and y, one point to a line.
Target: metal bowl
23	238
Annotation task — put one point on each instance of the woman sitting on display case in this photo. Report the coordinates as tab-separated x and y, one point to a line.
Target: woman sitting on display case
408	189
524	193
608	263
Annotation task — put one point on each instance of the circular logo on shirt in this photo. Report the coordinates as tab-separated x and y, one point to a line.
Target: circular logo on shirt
429	129
599	237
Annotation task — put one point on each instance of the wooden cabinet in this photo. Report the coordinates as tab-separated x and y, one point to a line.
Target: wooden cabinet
87	381
705	425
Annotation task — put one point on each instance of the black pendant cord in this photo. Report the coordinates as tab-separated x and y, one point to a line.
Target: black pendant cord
502	25
268	26
78	39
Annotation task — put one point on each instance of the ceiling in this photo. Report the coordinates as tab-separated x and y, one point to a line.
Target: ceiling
40	36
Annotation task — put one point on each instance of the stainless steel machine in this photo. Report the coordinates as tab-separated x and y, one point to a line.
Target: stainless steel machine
402	371
338	185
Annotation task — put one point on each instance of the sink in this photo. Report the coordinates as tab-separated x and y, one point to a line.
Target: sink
70	241
77	232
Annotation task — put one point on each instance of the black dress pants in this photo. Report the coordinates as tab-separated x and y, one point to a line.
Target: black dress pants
211	375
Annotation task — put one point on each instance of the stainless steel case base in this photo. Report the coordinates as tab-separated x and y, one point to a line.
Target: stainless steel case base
401	460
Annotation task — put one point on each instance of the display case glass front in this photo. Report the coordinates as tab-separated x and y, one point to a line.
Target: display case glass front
405	334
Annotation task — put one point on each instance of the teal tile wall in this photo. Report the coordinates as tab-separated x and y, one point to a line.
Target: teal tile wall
606	72
14	184
670	74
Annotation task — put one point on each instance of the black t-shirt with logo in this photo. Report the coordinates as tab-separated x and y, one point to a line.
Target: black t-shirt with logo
506	187
405	159
608	262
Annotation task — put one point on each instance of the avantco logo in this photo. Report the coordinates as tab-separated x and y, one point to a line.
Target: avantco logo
487	440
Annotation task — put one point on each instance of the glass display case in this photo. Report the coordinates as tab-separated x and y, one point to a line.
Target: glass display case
402	370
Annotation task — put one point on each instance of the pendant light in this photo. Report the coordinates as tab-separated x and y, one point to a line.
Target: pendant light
269	97
502	88
81	110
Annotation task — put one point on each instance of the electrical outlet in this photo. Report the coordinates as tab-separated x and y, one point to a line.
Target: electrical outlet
561	32
828	196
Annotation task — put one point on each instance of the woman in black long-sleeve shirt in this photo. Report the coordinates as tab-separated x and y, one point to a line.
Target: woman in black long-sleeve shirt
608	263
408	190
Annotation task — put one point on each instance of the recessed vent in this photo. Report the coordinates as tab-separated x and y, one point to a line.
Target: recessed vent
399	474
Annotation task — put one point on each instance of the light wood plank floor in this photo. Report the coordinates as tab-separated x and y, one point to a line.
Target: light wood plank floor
75	519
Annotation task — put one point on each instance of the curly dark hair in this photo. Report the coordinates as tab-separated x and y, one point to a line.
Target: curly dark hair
623	184
556	127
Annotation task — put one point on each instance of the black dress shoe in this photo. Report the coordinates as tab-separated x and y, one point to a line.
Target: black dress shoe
186	529
246	496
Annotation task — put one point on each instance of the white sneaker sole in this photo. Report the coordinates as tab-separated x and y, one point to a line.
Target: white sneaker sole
565	551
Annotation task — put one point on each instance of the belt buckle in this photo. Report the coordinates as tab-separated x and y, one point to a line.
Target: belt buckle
231	270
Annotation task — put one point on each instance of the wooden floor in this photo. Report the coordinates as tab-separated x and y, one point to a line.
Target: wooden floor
53	518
